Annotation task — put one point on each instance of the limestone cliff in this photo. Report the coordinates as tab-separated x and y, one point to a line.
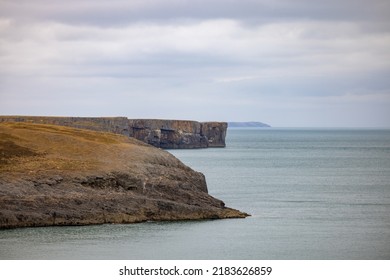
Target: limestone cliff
57	175
175	134
167	134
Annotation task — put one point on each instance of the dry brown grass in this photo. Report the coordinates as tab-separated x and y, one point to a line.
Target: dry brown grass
87	177
26	146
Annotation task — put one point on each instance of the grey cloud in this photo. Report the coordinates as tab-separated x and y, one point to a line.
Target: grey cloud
226	60
119	12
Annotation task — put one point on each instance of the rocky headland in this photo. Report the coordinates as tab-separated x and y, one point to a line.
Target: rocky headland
58	175
247	125
166	134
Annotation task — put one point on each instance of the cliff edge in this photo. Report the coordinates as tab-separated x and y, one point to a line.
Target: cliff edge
166	134
57	175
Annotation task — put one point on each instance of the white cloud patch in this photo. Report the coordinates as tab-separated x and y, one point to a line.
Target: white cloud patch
290	46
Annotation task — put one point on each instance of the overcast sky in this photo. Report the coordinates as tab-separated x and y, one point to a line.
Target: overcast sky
288	63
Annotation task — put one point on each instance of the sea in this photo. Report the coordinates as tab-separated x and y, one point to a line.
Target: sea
313	194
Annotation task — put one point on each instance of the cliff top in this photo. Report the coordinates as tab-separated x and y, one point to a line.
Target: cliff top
166	134
27	147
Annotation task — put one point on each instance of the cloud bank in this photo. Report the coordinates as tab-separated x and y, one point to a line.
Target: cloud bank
287	63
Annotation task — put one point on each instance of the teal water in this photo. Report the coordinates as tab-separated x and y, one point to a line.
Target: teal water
312	194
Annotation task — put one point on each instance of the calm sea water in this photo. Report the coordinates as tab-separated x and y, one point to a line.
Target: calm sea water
312	194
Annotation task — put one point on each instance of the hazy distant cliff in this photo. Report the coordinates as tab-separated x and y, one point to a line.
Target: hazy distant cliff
167	134
247	124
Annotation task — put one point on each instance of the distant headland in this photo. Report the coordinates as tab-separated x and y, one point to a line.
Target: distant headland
247	124
166	134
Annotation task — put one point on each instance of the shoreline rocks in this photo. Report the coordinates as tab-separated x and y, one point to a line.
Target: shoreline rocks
57	175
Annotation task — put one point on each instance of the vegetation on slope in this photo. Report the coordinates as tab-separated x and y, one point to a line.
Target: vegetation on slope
55	175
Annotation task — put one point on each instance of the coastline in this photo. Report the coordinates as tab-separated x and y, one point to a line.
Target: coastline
165	134
55	175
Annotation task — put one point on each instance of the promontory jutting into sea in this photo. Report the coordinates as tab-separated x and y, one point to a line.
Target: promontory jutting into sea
56	174
311	193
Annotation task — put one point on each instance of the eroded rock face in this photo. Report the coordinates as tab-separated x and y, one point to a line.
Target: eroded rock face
216	133
56	175
174	134
166	134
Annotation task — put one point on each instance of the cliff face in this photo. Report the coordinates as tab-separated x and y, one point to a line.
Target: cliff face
167	134
57	175
174	134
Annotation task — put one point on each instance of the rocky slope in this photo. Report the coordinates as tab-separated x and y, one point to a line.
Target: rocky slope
166	134
56	175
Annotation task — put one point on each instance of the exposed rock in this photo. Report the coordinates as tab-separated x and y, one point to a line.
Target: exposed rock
216	133
56	175
174	134
167	134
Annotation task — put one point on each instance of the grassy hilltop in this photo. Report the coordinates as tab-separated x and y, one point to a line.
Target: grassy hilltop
55	175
